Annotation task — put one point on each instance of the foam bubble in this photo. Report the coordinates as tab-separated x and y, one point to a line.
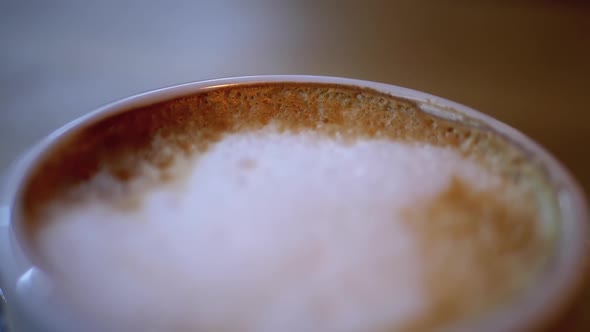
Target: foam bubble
268	231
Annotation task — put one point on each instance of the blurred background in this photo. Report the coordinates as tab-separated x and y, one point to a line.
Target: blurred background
526	63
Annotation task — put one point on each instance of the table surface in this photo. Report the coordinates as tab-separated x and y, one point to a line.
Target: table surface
526	63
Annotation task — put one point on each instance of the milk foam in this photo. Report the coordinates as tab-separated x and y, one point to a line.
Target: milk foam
267	231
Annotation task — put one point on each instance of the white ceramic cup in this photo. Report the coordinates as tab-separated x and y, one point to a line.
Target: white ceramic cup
32	304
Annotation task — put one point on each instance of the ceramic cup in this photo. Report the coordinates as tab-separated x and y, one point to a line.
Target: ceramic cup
32	304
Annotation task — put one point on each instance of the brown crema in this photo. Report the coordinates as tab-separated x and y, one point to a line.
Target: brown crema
188	125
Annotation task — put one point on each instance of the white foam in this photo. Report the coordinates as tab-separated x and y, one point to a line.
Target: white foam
269	232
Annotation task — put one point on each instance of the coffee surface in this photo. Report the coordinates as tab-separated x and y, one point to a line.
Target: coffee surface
279	207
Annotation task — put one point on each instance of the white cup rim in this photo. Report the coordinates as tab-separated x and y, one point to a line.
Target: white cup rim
540	308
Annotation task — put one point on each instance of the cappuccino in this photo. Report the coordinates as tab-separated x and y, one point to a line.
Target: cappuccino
288	207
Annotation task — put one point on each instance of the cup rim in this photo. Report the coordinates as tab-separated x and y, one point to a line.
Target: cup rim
540	309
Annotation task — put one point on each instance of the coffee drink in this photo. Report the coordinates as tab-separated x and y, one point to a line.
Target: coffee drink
288	207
